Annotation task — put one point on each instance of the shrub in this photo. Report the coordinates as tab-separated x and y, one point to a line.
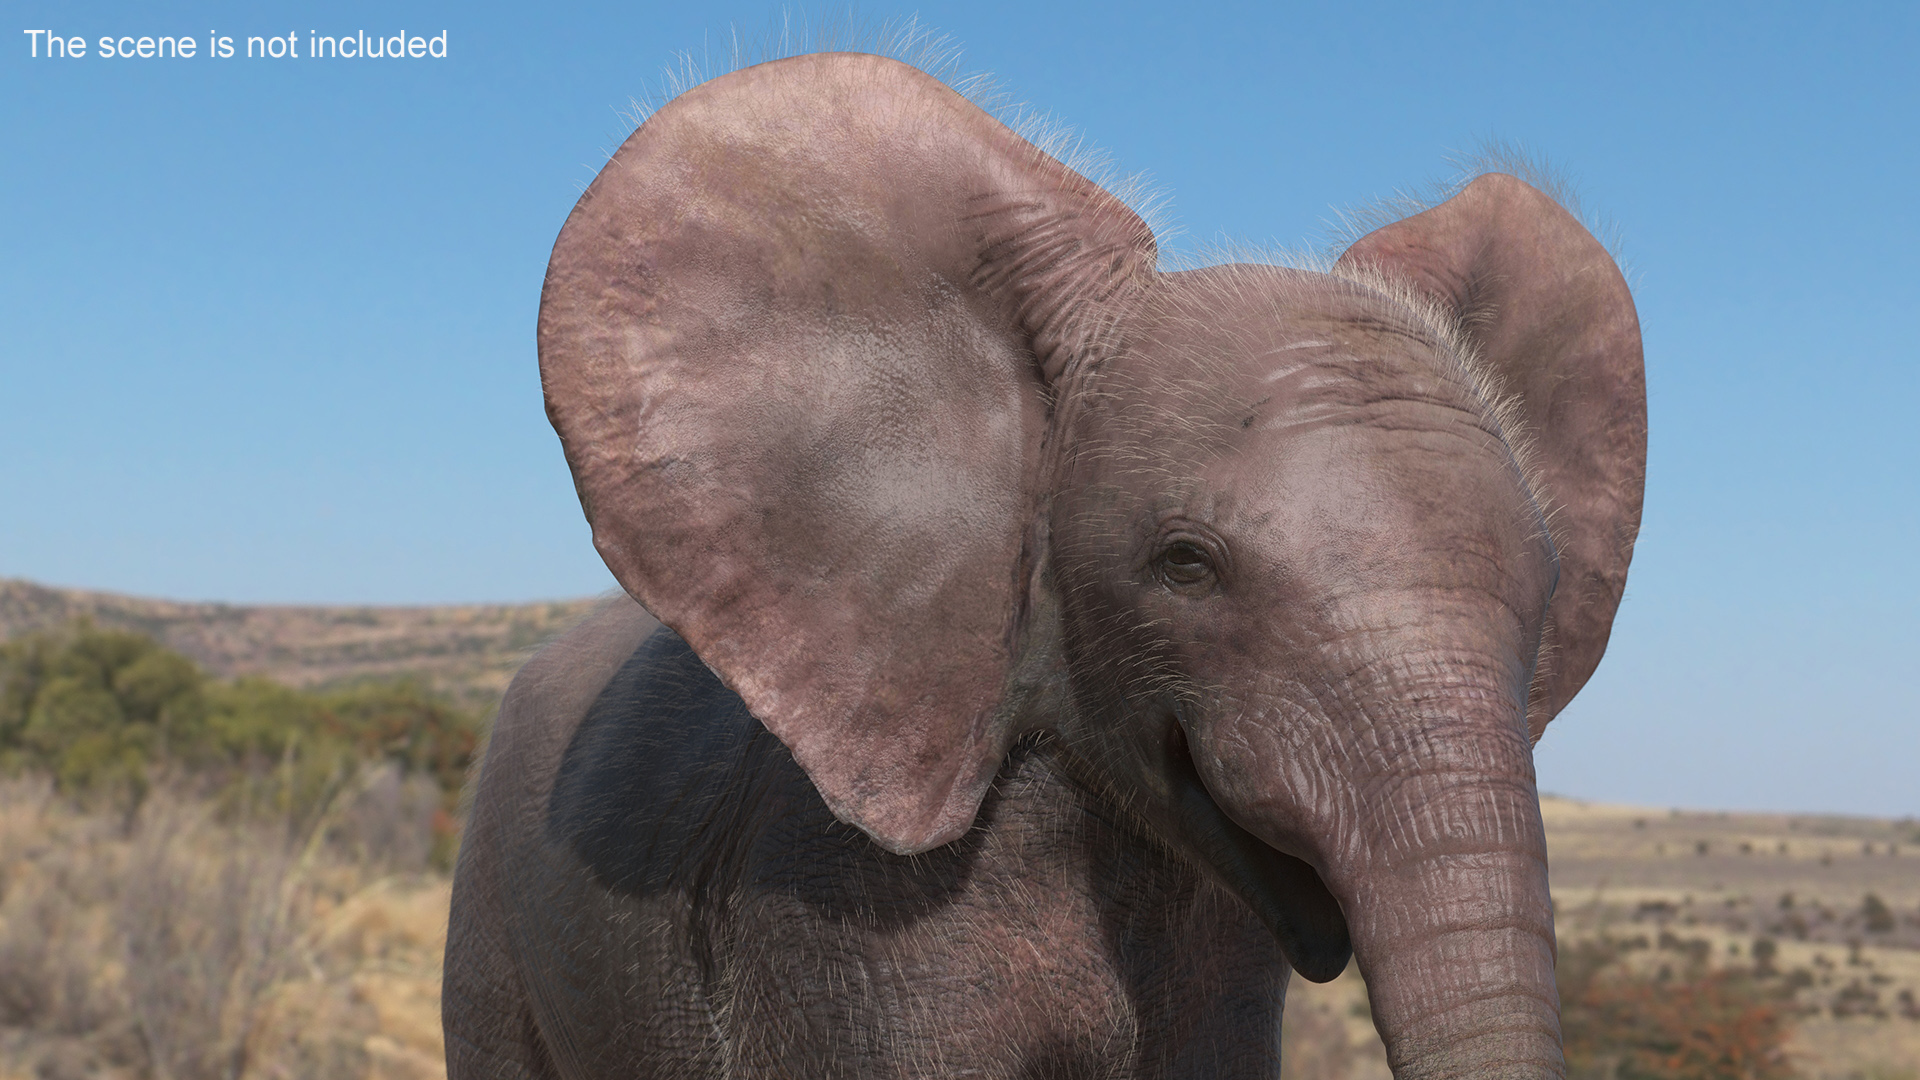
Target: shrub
1877	915
1619	1022
94	707
101	710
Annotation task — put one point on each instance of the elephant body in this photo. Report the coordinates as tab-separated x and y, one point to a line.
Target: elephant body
1059	651
672	858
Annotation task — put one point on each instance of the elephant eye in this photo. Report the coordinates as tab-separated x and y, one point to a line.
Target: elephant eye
1185	563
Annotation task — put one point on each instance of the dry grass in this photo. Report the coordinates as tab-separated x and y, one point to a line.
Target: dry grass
187	943
1327	1033
182	944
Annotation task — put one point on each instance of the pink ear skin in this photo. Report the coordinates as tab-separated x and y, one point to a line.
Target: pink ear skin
1548	311
796	339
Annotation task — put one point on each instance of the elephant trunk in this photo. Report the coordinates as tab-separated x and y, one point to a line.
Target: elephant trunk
1458	952
1439	865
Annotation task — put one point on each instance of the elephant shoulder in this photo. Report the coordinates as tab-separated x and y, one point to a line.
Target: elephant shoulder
486	1010
553	691
542	708
546	702
666	775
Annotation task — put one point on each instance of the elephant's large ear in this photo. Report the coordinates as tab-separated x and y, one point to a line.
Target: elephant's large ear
796	339
1549	312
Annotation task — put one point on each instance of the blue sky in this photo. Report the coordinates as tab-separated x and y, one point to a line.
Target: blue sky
266	327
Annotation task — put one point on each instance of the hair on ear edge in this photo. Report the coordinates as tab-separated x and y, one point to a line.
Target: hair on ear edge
908	41
793	35
1491	155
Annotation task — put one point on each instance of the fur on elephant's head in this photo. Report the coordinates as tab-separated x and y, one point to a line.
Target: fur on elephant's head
894	419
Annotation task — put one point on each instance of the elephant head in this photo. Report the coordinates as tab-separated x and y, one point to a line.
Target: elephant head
894	419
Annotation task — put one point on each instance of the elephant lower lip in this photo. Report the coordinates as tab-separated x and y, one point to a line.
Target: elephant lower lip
1284	892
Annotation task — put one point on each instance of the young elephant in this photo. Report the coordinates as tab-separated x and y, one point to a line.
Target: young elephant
1058	651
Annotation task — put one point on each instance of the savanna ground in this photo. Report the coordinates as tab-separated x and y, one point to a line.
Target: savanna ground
250	881
1675	924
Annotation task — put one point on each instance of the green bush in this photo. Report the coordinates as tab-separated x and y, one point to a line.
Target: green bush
100	710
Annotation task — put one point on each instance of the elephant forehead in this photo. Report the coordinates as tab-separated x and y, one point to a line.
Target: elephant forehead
1367	499
1248	346
1260	397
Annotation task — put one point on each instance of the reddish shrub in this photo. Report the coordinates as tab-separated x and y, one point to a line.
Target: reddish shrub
1702	1025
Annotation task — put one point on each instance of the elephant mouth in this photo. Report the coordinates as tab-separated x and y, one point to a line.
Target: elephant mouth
1285	892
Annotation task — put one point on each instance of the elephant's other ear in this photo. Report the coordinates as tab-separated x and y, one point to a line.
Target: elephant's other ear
1549	312
795	339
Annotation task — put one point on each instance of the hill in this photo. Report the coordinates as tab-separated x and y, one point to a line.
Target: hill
468	651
